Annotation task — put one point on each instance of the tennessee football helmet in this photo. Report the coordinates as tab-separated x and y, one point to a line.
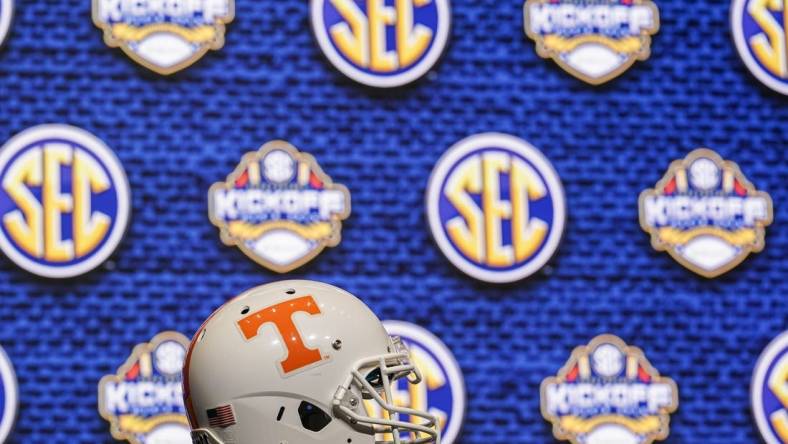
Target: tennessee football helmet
294	362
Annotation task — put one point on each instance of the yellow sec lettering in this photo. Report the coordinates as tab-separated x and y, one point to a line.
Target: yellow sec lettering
779	420
495	210
466	230
362	38
778	384
770	46
352	36
477	232
36	227
55	248
88	179
380	16
528	233
412	40
25	225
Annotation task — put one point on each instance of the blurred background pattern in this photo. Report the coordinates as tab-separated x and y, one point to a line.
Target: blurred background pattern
176	136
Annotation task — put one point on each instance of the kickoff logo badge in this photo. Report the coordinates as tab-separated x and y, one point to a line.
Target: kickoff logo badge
64	201
706	214
6	13
9	396
279	207
594	40
760	30
609	392
442	390
769	392
382	43
164	36
143	401
496	208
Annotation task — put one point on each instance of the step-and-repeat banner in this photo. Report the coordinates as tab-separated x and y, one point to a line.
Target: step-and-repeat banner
570	210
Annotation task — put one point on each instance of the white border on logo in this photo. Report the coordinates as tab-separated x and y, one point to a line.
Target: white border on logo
453	371
737	14
111	163
412	74
545	168
6	12
11	390
779	344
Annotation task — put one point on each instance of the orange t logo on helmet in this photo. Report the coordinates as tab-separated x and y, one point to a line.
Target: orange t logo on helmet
281	315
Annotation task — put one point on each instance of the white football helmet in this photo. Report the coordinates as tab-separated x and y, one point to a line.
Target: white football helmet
292	363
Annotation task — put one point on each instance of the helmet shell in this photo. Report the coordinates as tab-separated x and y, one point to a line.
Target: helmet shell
272	348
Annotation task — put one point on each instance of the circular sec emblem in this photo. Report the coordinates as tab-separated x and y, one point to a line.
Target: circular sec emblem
382	43
8	396
760	30
769	392
442	392
64	201
6	12
496	208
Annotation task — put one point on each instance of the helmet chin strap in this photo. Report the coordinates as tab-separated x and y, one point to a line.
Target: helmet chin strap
347	402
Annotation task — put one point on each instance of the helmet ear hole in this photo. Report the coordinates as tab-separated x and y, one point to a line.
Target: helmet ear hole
312	417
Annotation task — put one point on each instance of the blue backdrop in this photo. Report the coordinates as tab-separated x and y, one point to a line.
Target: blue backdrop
176	136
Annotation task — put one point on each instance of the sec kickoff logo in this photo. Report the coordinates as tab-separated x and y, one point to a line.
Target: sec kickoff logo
760	30
143	401
164	36
382	43
496	208
769	391
706	214
609	392
64	201
594	40
6	13
442	391
279	207
9	395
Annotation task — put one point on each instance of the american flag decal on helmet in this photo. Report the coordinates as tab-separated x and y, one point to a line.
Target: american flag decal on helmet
221	416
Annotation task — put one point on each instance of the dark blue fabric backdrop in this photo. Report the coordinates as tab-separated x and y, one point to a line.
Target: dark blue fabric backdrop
176	136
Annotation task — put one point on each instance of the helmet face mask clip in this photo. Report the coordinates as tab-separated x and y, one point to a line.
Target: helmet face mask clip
381	372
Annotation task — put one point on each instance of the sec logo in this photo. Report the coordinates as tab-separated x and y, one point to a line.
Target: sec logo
496	208
760	30
64	201
442	390
164	36
382	43
769	391
8	396
143	401
6	12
